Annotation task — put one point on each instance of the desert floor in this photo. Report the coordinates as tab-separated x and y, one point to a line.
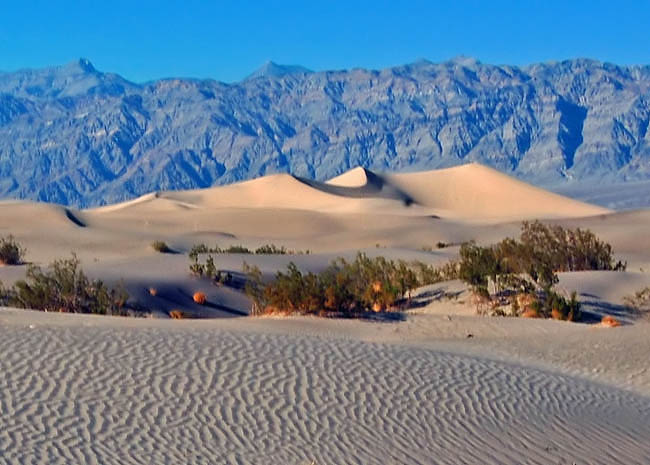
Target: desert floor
439	385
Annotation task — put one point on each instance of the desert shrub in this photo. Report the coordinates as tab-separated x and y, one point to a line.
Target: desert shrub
209	270
4	295
343	288
254	288
196	250
11	252
532	263
610	322
199	298
429	274
161	246
271	249
63	287
557	307
197	268
640	301
567	249
441	245
238	249
477	265
266	249
177	314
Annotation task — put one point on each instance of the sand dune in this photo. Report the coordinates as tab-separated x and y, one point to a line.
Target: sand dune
477	192
142	393
470	192
16	214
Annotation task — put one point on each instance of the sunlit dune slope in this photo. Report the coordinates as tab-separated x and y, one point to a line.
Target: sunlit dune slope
470	192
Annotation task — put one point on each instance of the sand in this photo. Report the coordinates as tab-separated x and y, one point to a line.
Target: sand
439	385
88	391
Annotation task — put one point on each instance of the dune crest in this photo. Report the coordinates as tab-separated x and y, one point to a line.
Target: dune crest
356	177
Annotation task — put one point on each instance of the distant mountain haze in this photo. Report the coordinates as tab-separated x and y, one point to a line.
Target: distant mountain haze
77	136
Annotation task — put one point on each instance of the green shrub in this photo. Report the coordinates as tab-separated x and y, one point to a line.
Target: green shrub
254	288
567	249
207	269
63	287
271	249
196	250
266	249
428	274
160	246
238	249
531	263
344	288
11	252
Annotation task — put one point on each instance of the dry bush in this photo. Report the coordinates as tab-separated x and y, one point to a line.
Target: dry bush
161	246
199	298
11	252
530	313
177	315
639	302
610	322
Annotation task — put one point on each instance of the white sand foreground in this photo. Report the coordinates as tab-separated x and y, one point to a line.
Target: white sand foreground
88	389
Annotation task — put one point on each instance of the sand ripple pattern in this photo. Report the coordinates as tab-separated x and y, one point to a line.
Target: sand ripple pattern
143	396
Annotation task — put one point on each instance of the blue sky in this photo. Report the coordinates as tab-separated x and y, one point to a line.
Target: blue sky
228	40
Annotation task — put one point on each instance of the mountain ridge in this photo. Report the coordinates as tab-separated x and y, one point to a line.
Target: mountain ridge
78	136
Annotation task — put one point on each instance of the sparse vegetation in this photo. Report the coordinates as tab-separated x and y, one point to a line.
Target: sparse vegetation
11	252
266	249
271	249
499	274
160	246
209	270
639	302
63	287
177	315
344	288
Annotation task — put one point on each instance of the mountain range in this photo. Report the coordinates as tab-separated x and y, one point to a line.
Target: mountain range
78	136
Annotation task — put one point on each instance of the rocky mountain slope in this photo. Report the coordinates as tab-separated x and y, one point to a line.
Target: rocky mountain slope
78	136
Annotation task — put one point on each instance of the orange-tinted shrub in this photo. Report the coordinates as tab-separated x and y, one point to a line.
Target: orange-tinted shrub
176	315
530	313
610	322
199	298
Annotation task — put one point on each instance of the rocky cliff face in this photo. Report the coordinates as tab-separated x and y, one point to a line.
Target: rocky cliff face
78	136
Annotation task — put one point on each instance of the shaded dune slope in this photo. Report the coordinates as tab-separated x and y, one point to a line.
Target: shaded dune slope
13	213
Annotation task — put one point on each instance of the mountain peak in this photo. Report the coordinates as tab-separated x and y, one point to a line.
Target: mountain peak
272	69
462	60
82	65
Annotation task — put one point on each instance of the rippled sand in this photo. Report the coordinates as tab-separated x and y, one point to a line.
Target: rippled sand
157	392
